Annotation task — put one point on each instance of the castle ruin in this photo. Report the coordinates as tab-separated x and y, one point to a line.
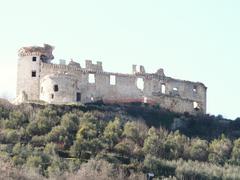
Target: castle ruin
40	80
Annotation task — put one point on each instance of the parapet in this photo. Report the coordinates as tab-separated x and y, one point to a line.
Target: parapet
45	52
138	69
74	64
93	67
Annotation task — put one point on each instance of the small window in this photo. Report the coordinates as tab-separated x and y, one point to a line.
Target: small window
78	96
91	78
195	89
140	83
163	88
34	73
34	59
112	80
196	106
41	89
52	96
175	89
145	99
55	88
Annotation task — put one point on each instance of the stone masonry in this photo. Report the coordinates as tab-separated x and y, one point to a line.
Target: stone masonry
40	80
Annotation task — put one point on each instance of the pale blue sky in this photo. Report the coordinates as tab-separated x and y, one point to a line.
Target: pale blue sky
192	40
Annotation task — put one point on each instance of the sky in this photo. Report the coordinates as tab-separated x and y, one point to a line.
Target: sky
191	40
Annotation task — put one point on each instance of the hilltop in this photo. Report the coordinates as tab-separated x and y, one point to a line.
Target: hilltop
115	141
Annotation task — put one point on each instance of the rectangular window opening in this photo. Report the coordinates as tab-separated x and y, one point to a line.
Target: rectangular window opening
52	96
78	97
140	83
163	88
34	73
55	88
112	80
34	59
91	78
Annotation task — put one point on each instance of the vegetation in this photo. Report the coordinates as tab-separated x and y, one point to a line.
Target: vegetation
100	141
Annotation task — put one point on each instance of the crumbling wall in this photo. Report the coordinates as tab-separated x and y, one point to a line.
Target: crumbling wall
179	96
61	83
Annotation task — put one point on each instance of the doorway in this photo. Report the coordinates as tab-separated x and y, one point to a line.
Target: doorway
78	96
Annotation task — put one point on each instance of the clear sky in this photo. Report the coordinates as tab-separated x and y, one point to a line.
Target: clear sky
192	40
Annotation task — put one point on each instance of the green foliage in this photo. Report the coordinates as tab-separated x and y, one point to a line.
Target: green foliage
87	143
113	132
10	136
43	121
58	134
154	143
174	145
137	131
220	150
98	139
235	159
198	150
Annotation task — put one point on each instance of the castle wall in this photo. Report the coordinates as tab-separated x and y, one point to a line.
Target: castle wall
39	79
126	89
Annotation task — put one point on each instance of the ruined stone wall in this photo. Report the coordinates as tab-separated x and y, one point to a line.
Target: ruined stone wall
62	83
179	95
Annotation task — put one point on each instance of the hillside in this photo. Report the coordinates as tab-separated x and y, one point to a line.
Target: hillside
124	141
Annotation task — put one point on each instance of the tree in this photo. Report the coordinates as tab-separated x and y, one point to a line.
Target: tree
71	122
174	145
43	121
235	156
16	120
220	150
58	134
112	132
154	143
87	143
137	131
198	150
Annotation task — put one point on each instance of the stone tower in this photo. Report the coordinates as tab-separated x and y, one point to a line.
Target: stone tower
29	70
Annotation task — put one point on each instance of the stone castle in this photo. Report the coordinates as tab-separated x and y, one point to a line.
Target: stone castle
40	80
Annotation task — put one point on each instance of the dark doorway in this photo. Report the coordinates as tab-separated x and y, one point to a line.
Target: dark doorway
78	96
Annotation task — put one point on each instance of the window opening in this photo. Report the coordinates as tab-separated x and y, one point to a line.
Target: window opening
140	83
112	80
34	59
34	73
196	106
78	96
91	78
194	89
163	88
55	88
175	89
145	99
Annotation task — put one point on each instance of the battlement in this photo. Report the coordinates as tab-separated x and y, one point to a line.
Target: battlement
64	83
93	67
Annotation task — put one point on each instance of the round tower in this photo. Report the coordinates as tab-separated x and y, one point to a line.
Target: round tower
29	71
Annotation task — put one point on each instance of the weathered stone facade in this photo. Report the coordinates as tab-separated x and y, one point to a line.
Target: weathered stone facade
39	79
